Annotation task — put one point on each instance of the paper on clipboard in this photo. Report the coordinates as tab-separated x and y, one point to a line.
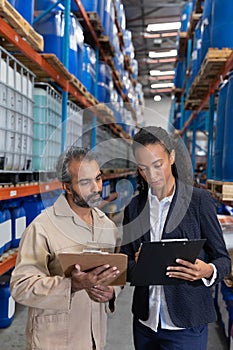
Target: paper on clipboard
89	261
154	258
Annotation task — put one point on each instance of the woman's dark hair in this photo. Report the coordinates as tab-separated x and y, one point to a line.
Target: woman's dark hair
77	153
157	135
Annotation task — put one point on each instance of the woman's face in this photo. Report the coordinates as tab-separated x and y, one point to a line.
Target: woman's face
155	166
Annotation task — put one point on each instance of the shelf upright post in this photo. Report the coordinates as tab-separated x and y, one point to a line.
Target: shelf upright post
94	118
211	135
193	155
65	62
172	113
189	54
182	110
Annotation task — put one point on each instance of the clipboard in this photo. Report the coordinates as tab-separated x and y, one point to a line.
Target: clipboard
154	258
89	261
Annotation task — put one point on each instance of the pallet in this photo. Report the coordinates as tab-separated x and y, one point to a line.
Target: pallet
194	18
41	75
106	45
127	65
177	92
21	26
12	178
193	104
213	62
198	7
104	112
221	189
110	62
118	78
183	38
95	21
83	91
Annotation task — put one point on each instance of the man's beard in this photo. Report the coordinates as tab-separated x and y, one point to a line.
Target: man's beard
89	201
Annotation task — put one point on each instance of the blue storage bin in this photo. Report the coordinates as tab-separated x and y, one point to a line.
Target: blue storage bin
227	161
26	9
100	10
220	124
33	206
88	67
42	5
185	16
89	5
52	28
7	309
5	228
12	2
18	221
205	29
221	33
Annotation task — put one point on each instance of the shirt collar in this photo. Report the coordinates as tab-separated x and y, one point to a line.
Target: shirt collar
154	199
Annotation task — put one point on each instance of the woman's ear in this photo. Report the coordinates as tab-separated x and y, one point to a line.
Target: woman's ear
172	156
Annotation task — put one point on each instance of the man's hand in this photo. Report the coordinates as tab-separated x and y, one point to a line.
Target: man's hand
190	272
101	275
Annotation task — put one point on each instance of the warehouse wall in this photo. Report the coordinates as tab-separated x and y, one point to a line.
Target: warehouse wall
157	113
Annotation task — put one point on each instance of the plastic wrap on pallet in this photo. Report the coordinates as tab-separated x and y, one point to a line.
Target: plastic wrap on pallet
16	114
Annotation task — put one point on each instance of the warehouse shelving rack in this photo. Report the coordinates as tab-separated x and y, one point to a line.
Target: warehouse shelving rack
202	93
48	67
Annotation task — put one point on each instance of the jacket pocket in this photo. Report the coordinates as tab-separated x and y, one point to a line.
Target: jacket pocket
50	332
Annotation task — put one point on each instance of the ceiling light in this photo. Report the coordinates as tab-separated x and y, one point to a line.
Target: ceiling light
157	42
157	98
159	27
170	53
156	73
162	85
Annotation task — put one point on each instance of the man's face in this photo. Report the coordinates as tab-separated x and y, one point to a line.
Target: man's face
154	165
86	186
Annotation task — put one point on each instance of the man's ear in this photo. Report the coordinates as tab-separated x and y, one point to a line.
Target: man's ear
172	156
66	187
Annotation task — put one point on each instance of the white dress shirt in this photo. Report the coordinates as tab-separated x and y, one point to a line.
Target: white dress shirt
157	303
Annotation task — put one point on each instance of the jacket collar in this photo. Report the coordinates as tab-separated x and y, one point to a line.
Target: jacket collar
62	208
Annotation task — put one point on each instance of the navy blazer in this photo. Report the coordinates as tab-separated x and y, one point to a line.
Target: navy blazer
192	215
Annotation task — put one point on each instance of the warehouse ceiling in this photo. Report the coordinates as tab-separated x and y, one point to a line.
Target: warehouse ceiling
140	13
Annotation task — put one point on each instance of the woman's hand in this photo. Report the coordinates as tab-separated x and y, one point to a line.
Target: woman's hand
190	272
101	294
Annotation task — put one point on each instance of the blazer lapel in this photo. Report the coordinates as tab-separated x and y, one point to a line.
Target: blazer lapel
144	217
178	207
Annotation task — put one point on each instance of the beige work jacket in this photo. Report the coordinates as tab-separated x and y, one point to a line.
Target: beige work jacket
58	319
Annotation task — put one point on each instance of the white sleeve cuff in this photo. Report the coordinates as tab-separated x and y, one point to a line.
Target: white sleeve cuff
207	282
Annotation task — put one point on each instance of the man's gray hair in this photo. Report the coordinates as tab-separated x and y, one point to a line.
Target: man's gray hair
73	153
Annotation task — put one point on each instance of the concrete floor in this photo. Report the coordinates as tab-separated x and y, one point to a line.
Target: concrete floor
119	329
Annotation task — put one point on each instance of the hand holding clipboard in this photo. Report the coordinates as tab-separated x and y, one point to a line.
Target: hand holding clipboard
155	257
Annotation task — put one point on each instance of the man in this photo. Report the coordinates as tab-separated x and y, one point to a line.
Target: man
172	316
67	313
